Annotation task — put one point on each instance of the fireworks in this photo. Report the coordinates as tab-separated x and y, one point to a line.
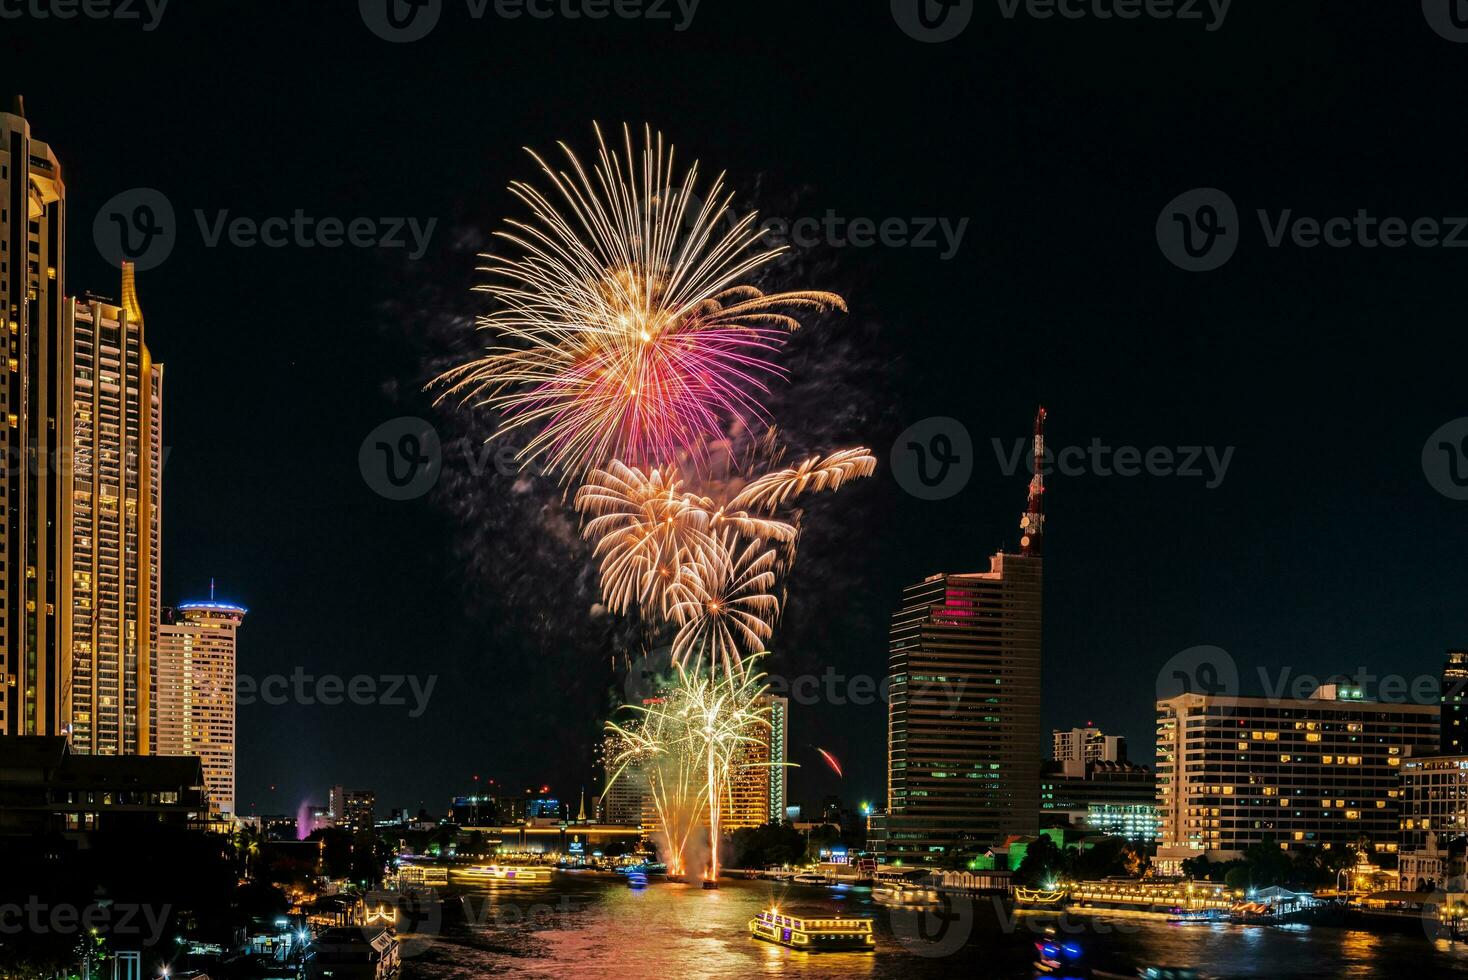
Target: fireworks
688	742
630	335
726	605
628	344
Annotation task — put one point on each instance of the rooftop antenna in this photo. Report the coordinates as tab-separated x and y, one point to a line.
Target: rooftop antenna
1032	524
211	589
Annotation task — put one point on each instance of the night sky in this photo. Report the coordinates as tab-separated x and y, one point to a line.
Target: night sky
1326	369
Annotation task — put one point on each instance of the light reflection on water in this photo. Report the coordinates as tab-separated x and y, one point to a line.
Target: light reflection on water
591	926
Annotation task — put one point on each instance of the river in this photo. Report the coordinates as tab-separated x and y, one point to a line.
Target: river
589	926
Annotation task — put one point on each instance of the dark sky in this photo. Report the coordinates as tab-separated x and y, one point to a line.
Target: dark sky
1325	369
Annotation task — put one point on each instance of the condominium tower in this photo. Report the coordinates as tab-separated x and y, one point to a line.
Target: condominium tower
196	691
964	705
116	503
35	405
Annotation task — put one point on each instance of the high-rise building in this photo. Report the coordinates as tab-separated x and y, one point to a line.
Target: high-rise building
1454	708
1324	771
963	731
116	503
779	719
1070	789
196	691
1087	745
757	777
35	409
351	809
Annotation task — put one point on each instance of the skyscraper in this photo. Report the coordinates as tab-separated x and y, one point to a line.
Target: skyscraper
779	719
1454	698
116	491
196	691
964	705
35	406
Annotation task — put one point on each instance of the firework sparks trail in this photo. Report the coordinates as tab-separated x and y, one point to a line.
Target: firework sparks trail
629	332
688	742
706	566
831	761
727	605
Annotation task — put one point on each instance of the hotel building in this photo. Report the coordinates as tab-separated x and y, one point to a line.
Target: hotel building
116	504
1233	771
963	720
196	692
35	406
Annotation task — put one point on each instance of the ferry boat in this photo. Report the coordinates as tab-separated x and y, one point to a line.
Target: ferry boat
1181	916
814	935
904	893
495	872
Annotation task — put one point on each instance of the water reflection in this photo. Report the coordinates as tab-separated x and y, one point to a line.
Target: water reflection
589	926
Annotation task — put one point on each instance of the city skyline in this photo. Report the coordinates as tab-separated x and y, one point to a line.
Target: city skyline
1230	601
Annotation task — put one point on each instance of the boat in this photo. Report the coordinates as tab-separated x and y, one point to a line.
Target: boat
1041	898
1054	955
813	935
495	872
354	954
903	893
1195	916
809	878
637	879
709	884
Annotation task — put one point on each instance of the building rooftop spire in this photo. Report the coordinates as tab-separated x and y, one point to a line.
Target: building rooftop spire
130	304
17	106
1032	524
